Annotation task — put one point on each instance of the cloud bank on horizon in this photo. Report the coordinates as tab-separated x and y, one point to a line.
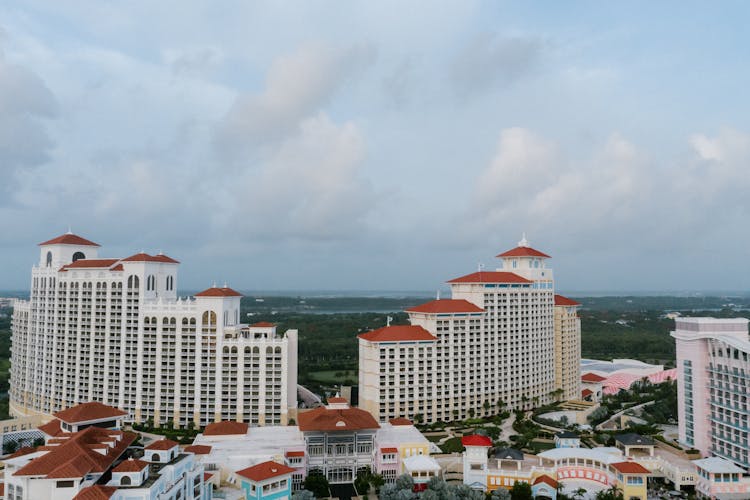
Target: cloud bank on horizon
376	145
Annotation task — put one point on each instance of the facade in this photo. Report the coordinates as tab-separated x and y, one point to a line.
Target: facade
115	331
713	384
335	440
721	479
493	344
567	348
626	467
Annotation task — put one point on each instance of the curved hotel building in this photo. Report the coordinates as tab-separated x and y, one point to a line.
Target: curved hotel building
115	331
504	340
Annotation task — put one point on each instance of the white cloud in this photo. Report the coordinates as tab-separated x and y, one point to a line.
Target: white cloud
25	105
297	85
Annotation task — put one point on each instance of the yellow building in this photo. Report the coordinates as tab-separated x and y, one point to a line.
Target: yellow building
567	348
631	479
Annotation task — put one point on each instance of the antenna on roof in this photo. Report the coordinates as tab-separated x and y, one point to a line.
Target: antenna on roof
524	242
438	294
480	267
213	285
70	231
225	285
388	320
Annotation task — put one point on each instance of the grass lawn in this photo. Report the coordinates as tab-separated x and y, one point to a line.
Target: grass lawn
436	438
538	446
333	376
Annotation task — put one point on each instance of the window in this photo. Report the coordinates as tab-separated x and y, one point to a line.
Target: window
78	256
125	481
151	283
65	484
49	259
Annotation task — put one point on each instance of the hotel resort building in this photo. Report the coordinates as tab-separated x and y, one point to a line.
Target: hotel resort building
503	339
114	330
713	386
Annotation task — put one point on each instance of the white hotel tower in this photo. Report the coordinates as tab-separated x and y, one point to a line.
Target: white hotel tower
114	331
493	344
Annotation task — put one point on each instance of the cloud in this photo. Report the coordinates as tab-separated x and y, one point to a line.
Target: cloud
25	105
297	85
487	61
309	188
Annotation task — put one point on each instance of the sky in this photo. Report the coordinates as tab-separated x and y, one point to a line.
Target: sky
389	145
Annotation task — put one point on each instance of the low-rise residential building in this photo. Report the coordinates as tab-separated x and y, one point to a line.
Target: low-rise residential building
266	481
86	456
719	478
592	469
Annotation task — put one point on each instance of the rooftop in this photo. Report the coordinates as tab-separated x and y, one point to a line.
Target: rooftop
87	412
717	465
339	419
446	306
225	428
218	292
265	470
398	333
491	277
632	439
69	239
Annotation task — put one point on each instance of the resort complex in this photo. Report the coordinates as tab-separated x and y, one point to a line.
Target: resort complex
114	330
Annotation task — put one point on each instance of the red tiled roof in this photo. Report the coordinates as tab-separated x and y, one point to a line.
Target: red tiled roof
345	419
476	440
144	257
592	377
130	465
218	292
295	454
226	428
118	267
198	449
90	263
23	451
162	444
586	392
92	410
337	400
265	470
564	301
96	492
399	333
262	324
207	476
69	239
491	277
523	252
76	457
544	478
446	306
388	450
630	468
51	428
400	421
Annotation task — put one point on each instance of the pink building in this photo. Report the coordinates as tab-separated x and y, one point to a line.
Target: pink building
713	385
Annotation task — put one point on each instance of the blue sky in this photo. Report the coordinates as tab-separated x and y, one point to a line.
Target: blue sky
381	145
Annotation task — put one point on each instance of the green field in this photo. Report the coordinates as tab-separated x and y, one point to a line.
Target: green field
333	376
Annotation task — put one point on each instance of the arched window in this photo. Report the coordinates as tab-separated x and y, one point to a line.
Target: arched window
78	256
133	282
49	259
151	283
155	457
170	283
209	318
125	481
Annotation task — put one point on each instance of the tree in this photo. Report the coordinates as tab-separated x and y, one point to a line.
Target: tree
418	418
579	493
377	482
303	495
501	494
317	483
521	491
486	407
292	422
10	447
612	493
471	413
405	482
